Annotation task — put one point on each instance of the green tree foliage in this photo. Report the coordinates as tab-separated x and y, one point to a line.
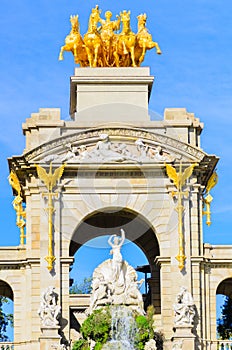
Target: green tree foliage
81	344
82	288
5	320
224	327
97	327
142	335
145	327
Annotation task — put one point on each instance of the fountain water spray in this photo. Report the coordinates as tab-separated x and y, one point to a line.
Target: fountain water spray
123	329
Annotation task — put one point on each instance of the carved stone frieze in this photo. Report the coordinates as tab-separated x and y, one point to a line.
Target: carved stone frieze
105	150
87	141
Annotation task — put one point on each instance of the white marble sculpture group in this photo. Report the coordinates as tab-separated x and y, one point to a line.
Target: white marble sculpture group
107	151
184	308
115	281
49	310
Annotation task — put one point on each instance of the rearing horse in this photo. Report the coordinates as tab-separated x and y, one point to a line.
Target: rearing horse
144	40
125	44
92	39
75	44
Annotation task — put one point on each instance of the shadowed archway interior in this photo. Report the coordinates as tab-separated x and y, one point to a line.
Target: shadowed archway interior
225	288
6	291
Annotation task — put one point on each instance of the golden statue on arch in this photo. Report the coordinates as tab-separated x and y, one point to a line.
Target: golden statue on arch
102	46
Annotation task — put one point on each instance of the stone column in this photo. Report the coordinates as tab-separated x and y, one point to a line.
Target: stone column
49	338
50	313
183	337
166	294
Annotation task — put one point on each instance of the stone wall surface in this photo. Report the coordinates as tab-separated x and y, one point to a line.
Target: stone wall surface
124	178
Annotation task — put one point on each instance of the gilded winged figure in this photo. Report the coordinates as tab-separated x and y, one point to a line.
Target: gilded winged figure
50	179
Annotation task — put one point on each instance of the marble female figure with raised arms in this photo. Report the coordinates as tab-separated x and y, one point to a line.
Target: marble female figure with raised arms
116	243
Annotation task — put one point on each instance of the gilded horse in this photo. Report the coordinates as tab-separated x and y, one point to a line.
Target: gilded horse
124	47
75	44
144	40
93	41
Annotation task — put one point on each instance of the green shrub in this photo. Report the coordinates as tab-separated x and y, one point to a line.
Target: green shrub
98	346
81	344
145	329
97	326
142	335
150	319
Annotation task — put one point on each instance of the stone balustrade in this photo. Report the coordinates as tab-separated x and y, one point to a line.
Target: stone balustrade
7	346
216	344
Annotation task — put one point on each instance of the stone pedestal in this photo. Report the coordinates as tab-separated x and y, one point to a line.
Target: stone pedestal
110	94
183	338
49	338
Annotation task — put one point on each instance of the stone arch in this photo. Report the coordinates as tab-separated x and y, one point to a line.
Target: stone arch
6	290
225	287
108	221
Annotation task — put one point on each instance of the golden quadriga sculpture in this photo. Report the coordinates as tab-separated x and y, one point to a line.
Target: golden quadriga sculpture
101	46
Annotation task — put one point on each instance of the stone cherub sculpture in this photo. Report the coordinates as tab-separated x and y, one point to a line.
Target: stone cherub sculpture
184	308
49	311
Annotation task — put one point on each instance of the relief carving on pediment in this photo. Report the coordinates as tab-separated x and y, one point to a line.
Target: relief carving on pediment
114	145
108	151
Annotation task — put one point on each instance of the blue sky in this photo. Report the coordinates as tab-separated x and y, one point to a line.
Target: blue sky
194	72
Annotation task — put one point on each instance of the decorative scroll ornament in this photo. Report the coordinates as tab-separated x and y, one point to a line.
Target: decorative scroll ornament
177	345
18	206
179	180
49	311
102	47
213	180
50	180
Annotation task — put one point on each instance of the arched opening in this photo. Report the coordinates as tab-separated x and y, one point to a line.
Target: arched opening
6	312
138	231
224	309
95	252
109	221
